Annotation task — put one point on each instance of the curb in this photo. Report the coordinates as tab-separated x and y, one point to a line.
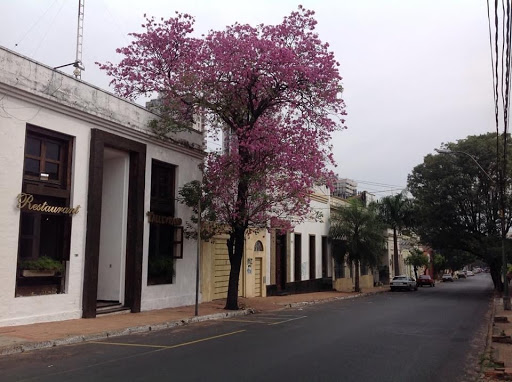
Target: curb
305	303
74	339
488	351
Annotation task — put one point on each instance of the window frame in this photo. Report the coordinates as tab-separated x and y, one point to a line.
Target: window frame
65	156
164	206
57	189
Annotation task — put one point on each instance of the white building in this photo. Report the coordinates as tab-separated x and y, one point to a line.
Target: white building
300	260
88	189
345	188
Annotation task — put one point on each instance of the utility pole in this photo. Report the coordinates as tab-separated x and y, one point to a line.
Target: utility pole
501	70
198	256
501	189
503	179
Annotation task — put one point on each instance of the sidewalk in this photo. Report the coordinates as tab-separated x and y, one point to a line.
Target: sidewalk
498	365
16	339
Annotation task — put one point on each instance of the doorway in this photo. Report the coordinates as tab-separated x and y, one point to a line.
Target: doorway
114	211
281	262
298	258
115	206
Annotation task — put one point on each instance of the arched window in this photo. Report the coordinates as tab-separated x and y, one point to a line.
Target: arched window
258	246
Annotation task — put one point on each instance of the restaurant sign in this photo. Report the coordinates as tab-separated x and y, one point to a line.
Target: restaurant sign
26	201
161	219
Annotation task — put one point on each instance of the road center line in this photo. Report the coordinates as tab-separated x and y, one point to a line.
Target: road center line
291	319
164	346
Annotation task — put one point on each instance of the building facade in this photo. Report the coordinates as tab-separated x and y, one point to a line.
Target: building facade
300	260
215	266
345	188
87	193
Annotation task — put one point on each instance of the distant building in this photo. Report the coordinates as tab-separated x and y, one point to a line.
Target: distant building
345	188
366	197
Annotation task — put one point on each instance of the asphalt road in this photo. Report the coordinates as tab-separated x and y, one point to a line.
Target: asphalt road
432	334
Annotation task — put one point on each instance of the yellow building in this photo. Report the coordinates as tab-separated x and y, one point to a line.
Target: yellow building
215	267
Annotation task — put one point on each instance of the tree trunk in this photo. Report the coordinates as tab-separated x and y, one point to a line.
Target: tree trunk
356	287
395	252
236	251
416	272
495	270
237	235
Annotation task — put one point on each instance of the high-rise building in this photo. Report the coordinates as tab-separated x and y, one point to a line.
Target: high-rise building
345	188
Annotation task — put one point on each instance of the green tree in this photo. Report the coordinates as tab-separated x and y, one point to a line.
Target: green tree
457	203
438	263
397	213
417	259
361	233
457	259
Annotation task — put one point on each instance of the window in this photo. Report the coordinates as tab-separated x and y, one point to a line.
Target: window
339	249
45	159
339	268
45	231
258	246
364	270
165	233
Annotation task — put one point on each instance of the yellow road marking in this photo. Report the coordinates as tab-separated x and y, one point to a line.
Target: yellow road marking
235	320
166	347
291	319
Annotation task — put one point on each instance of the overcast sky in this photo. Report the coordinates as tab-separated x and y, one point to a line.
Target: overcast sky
416	73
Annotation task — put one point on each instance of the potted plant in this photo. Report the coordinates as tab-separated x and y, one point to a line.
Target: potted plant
41	267
160	270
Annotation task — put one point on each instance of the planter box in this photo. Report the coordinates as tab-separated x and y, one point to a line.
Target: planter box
502	339
35	273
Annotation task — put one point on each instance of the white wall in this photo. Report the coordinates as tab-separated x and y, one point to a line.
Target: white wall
307	228
12	133
182	291
114	211
36	94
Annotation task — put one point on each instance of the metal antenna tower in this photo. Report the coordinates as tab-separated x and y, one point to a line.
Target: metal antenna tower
79	40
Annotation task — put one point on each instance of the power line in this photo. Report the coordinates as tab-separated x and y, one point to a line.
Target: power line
378	184
52	24
35	24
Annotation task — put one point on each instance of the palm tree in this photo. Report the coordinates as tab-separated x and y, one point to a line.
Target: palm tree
360	230
396	212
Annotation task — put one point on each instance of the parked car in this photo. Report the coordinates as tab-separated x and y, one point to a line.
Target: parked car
426	280
461	275
403	282
469	273
447	277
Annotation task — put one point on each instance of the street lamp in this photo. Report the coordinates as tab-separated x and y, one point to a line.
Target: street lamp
506	294
444	151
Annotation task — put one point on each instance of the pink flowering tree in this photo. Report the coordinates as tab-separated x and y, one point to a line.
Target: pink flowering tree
275	89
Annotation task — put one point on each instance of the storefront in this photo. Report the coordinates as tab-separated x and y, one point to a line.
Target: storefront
88	198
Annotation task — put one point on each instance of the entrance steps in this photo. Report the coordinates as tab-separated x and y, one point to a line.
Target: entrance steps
110	307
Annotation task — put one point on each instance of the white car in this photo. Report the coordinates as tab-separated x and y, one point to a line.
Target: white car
470	273
403	282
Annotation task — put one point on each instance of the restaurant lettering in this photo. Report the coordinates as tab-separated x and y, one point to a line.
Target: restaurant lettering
161	219
27	201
